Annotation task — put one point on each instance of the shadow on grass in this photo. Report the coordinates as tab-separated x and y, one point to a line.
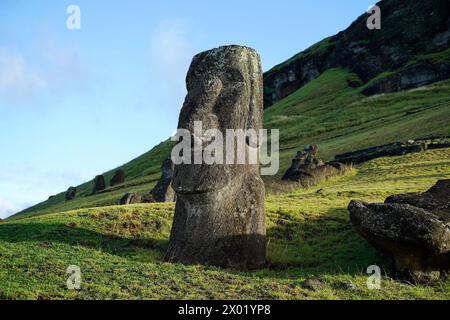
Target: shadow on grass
326	244
47	233
323	244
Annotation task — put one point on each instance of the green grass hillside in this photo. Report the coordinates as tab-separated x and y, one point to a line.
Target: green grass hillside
328	112
120	249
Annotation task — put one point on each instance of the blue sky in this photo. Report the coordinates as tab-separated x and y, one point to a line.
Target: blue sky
75	103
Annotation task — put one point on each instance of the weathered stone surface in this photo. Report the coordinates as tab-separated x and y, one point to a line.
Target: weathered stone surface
313	284
163	191
436	200
347	285
70	193
219	215
307	169
130	198
118	178
414	229
99	184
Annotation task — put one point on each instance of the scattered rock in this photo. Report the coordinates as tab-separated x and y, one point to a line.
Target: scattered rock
99	184
388	150
147	198
163	191
439	145
307	169
414	229
313	284
219	214
118	178
130	198
70	193
392	149
347	285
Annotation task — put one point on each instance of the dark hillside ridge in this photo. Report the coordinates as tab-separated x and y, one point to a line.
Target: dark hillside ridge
410	50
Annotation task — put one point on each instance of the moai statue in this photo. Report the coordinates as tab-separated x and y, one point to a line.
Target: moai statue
99	184
163	191
118	178
70	193
219	215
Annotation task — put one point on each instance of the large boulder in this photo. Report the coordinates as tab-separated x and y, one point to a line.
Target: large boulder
118	178
219	215
307	169
436	200
99	184
163	191
70	193
412	228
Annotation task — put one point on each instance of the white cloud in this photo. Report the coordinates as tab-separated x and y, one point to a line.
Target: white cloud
51	68
17	79
171	48
64	69
7	209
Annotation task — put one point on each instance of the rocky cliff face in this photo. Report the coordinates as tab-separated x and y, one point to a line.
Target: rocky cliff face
410	50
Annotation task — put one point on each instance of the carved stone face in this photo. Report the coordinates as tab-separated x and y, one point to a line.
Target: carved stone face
219	214
224	92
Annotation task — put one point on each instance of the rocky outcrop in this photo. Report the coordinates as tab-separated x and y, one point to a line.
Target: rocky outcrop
307	169
410	29
413	76
392	149
163	191
414	229
71	193
130	198
99	184
219	214
118	178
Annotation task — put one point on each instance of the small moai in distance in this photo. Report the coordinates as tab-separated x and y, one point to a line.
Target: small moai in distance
163	191
99	184
70	193
118	178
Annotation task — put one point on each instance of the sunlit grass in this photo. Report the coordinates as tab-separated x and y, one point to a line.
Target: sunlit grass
120	249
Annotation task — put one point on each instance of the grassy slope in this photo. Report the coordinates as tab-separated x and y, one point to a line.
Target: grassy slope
141	176
120	249
327	112
339	118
